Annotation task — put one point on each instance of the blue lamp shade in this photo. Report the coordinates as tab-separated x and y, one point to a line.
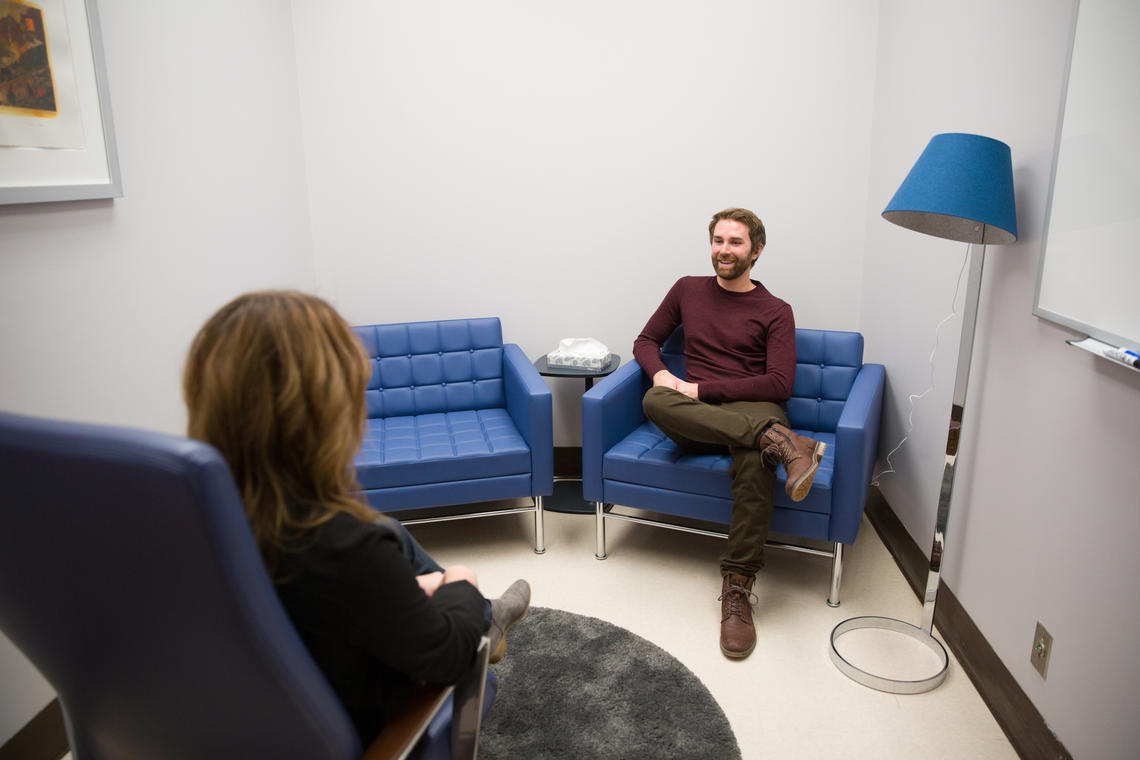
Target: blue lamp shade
960	188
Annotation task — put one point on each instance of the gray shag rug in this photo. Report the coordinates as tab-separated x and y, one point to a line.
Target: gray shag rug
574	687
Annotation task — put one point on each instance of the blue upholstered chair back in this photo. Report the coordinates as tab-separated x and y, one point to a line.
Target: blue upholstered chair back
827	362
130	578
430	367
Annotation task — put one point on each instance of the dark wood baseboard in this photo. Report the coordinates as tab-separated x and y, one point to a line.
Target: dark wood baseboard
43	738
1017	716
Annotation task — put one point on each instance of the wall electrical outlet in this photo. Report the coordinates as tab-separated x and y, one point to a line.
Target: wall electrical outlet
1042	648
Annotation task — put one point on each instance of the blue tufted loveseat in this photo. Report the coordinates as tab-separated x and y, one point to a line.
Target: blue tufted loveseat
455	416
836	398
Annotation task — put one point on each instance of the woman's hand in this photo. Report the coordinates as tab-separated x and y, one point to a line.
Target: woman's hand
429	582
460	573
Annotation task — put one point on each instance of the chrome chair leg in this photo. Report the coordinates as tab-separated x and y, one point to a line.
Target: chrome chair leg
539	538
836	575
600	519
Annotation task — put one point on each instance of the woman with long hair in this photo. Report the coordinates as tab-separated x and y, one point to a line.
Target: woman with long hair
275	381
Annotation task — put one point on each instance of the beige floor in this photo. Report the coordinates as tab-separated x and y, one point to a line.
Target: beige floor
785	701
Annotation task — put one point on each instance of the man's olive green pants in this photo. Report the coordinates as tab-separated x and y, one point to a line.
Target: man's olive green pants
733	427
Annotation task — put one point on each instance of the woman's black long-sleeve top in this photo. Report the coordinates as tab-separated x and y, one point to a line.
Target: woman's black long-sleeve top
354	599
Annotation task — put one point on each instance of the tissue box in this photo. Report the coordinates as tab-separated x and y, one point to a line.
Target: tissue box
579	353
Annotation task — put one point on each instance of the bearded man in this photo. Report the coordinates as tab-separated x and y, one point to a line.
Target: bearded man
740	362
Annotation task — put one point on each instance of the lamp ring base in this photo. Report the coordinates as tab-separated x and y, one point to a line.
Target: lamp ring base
882	683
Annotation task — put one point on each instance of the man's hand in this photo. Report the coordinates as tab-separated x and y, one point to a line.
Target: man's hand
689	389
667	379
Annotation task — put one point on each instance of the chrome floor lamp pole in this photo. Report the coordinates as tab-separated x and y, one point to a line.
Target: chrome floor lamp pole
957	411
961	188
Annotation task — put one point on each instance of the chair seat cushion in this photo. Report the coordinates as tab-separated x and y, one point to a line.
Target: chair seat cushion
446	446
648	457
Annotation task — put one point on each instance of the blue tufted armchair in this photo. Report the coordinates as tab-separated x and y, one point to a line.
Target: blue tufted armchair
455	416
836	398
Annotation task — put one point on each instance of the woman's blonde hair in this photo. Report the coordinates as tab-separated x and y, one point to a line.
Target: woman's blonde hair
275	381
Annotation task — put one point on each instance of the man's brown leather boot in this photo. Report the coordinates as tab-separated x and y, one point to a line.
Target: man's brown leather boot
801	457
737	631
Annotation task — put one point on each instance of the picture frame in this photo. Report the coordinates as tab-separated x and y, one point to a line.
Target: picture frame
57	137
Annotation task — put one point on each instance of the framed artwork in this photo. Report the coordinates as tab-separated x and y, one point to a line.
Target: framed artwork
57	141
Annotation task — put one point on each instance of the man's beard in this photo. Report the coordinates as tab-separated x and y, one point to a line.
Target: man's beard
741	267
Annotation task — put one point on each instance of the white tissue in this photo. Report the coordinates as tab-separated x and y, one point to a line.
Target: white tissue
584	353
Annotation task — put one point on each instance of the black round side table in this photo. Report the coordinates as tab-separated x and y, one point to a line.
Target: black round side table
544	368
567	496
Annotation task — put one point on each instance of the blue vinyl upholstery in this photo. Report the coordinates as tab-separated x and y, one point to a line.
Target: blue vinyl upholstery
130	578
455	416
836	398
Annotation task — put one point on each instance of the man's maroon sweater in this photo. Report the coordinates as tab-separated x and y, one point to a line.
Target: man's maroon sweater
738	346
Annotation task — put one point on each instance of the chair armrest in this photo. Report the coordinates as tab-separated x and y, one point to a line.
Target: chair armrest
530	405
856	446
611	410
467	718
400	734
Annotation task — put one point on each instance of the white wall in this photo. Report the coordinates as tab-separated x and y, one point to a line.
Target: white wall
556	165
99	300
1045	503
460	157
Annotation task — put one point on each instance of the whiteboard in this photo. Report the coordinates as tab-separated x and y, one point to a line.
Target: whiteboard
1089	274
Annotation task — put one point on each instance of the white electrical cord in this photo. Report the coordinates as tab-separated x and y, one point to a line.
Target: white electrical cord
915	397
